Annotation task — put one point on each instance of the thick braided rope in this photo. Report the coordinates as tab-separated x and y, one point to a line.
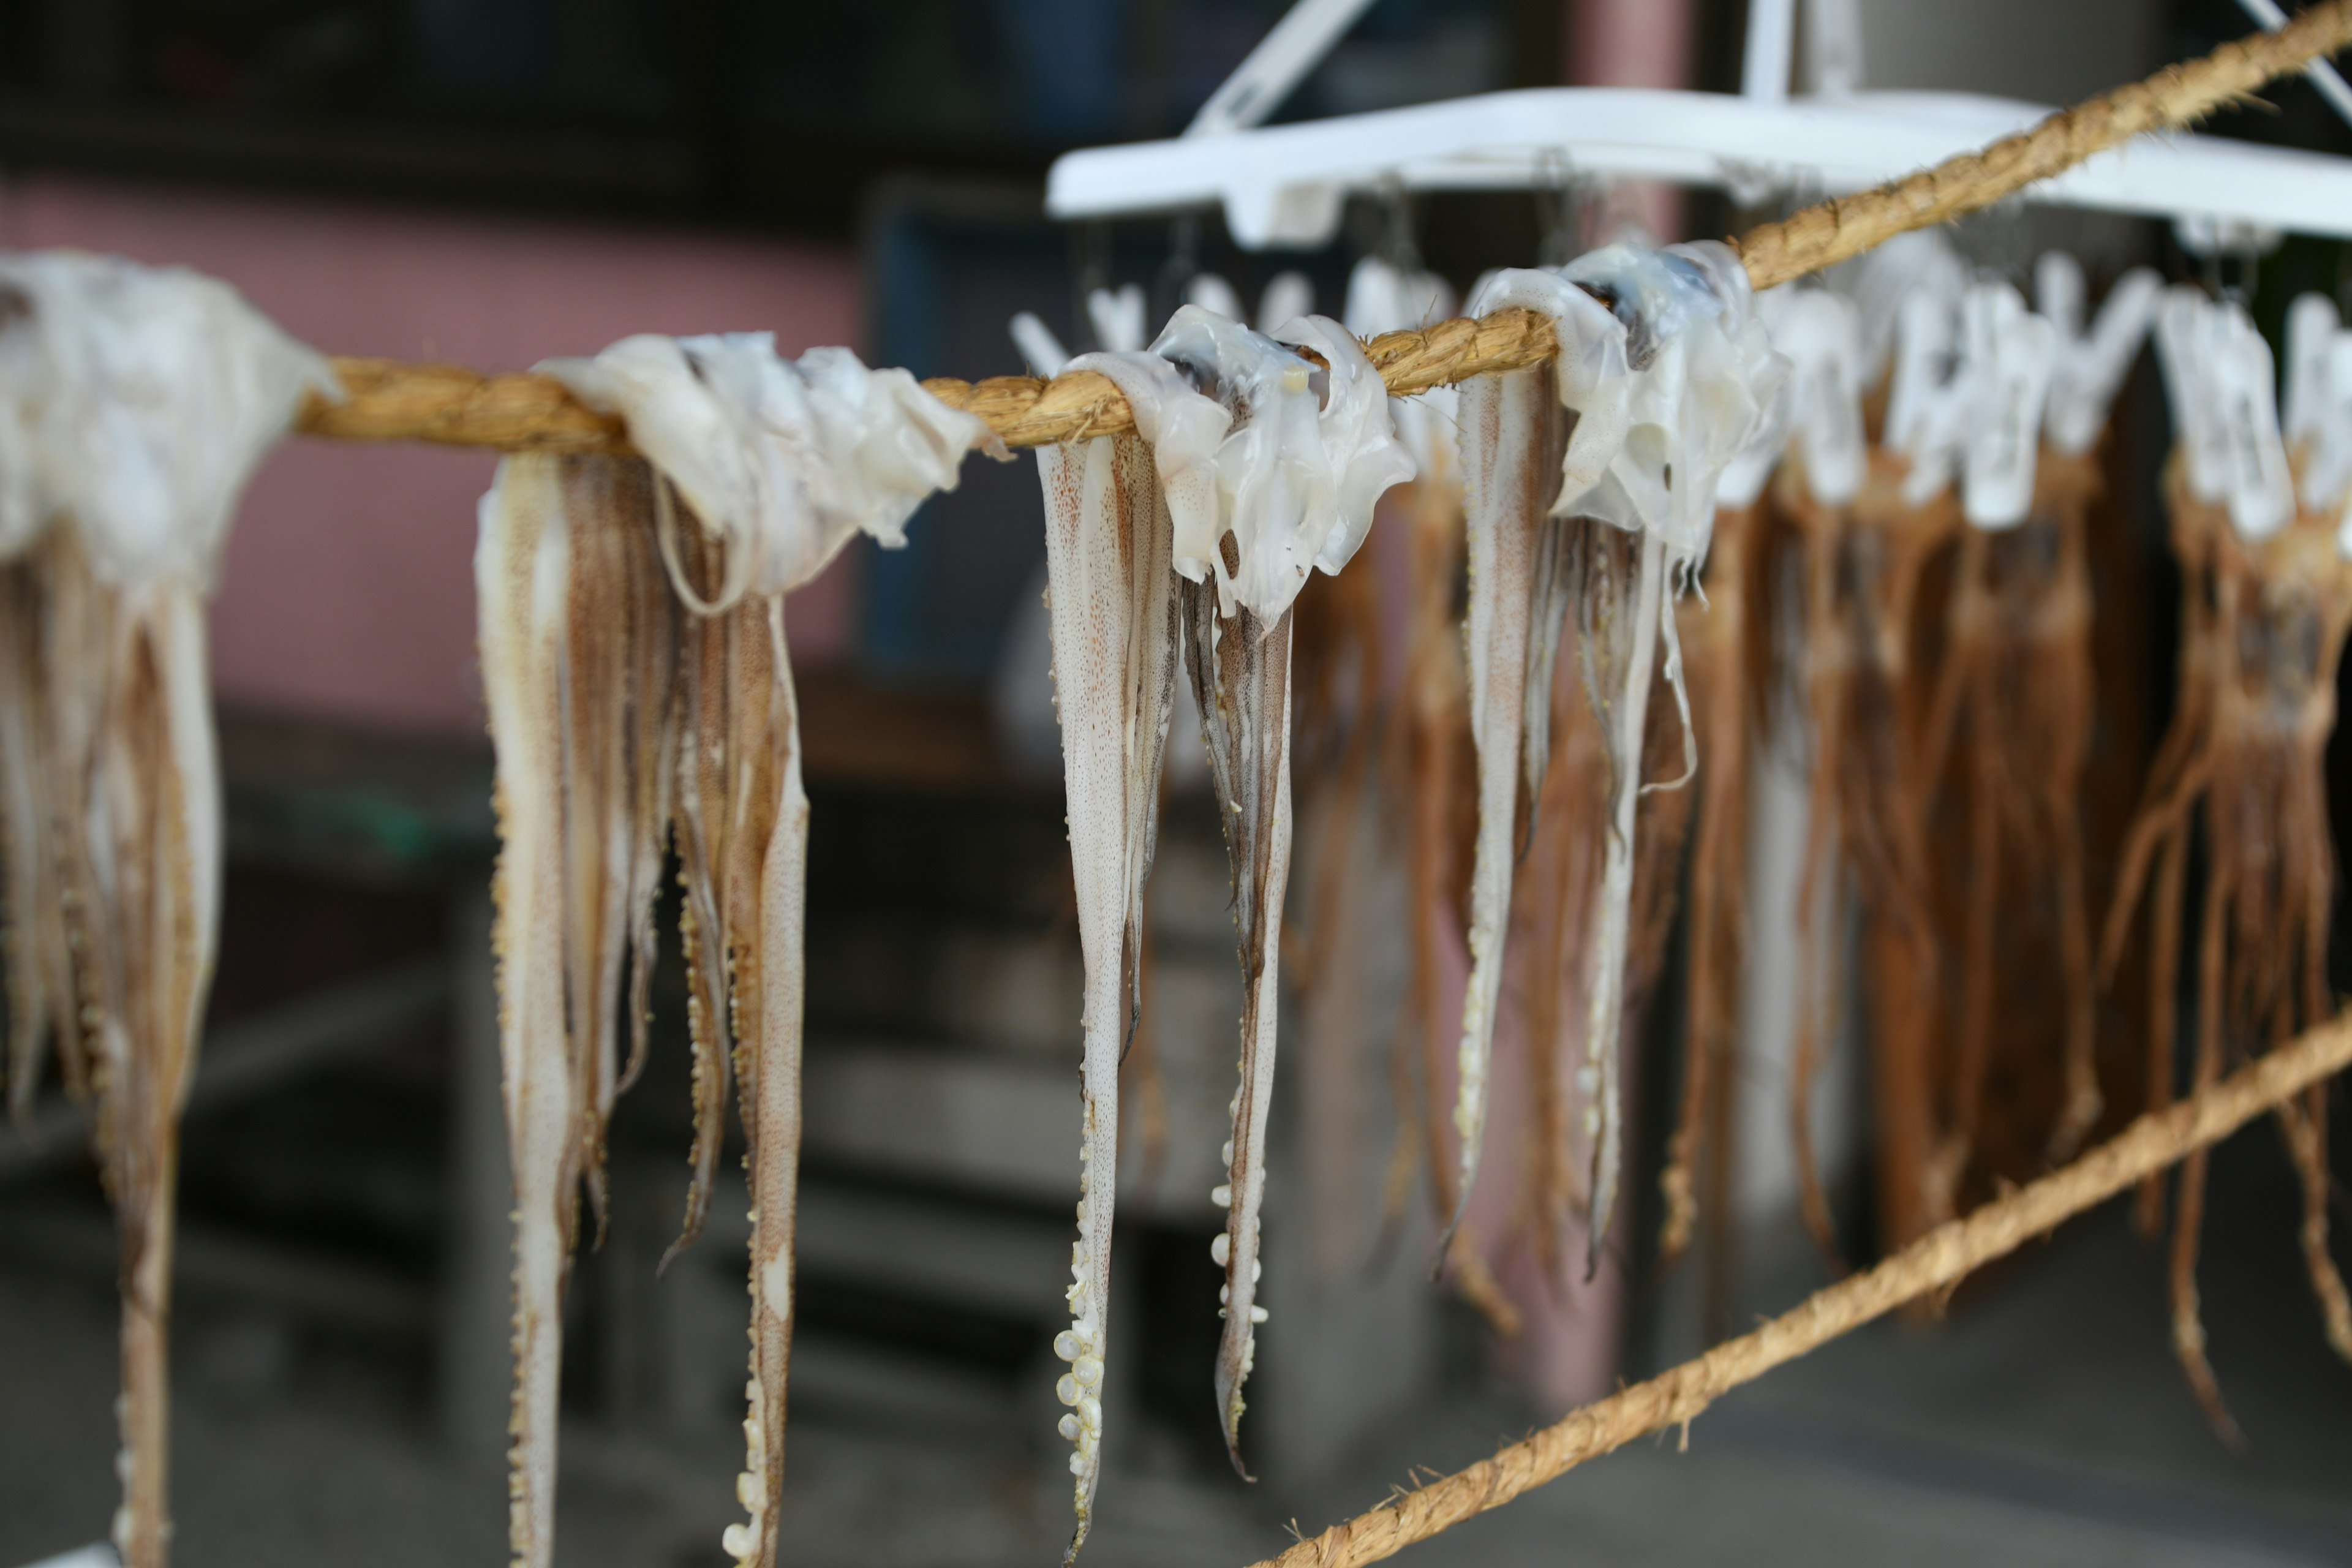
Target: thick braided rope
450	405
1935	1262
393	402
1833	231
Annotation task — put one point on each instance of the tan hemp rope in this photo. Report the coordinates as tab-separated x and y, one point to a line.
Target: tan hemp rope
1940	1258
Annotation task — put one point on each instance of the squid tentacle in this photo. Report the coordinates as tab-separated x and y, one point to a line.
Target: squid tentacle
521	568
771	989
1112	595
1628	717
1241	676
1514	432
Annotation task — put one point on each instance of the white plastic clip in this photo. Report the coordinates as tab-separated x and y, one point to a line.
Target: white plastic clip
1038	345
2181	348
2004	438
1212	292
1288	296
2091	365
2312	325
1821	333
1117	317
2261	490
2327	453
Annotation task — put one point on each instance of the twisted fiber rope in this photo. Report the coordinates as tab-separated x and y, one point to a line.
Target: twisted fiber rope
2178	95
450	405
1935	1261
389	401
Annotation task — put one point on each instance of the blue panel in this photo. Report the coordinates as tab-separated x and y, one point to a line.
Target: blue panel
906	310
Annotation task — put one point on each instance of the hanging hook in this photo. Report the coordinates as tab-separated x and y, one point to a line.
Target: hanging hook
1801	188
1397	246
2250	272
2005	243
1558	191
1090	252
1182	265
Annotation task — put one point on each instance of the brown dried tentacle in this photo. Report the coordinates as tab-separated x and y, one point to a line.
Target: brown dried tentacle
1241	678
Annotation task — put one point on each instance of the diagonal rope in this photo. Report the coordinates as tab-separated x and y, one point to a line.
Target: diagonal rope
1935	1261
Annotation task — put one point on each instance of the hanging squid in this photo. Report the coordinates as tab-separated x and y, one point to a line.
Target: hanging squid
2010	716
579	637
1858	568
1112	592
133	405
1555	901
1667	376
1513	433
1960	692
1269	470
641	697
1863	549
1723	629
1430	765
1440	794
1716	634
1350	784
2266	603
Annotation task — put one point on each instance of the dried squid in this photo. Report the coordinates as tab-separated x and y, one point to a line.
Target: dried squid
1113	606
1945	663
1557	902
2266	603
1349	778
1427	768
1270	470
1439	794
1717	635
579	639
1514	431
2009	721
134	404
1857	570
2017	609
630	713
1668	376
1724	629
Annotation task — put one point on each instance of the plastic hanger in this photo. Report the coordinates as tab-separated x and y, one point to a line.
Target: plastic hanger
1285	184
1117	316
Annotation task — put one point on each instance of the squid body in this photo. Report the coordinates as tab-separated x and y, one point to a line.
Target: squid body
1665	375
640	697
134	403
1108	536
1262	465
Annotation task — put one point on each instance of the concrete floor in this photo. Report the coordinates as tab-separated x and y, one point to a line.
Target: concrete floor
2043	1423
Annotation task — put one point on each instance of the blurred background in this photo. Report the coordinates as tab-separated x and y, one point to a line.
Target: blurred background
493	182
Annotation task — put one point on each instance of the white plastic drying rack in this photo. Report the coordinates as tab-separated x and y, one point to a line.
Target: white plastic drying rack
1284	186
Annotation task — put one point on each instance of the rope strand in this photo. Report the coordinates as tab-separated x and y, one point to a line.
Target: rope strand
1935	1261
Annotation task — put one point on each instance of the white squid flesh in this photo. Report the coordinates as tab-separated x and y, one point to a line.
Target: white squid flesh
628	713
1272	473
134	403
1668	376
1113	616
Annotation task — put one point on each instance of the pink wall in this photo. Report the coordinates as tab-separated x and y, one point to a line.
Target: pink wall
347	588
1634	43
